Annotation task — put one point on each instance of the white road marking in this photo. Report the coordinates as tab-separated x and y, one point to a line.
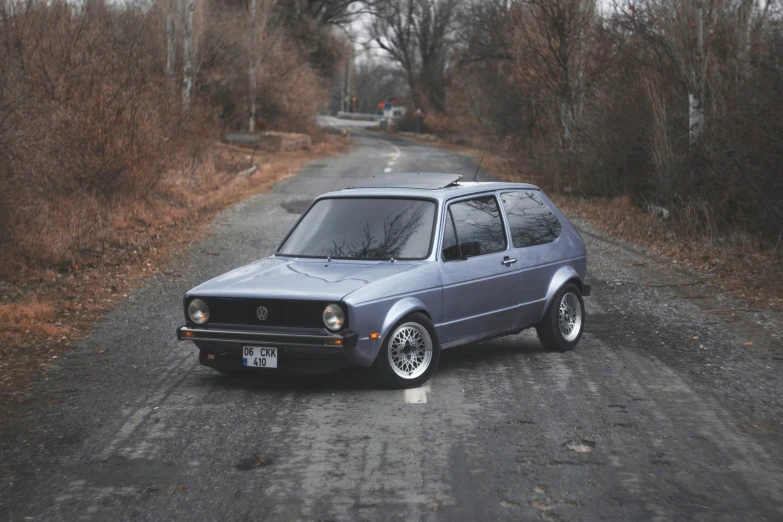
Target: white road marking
417	395
387	169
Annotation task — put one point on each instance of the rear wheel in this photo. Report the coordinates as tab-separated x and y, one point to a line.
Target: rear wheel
409	354
562	326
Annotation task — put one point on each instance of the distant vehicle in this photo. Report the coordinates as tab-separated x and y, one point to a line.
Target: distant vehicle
389	273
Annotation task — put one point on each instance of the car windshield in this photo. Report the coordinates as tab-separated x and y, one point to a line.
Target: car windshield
364	228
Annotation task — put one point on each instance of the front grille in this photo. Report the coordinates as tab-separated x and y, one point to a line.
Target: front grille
280	312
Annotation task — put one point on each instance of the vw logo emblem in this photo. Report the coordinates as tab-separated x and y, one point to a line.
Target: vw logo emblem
262	313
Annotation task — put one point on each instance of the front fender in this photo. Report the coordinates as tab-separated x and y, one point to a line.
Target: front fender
561	277
399	310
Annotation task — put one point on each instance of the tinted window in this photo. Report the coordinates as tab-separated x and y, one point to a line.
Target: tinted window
530	220
364	228
479	226
450	248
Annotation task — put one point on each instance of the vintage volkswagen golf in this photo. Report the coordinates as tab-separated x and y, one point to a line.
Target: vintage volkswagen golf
389	273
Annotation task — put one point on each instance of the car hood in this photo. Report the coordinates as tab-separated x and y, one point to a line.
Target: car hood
283	278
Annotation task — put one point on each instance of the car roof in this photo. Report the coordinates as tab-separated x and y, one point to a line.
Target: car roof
416	180
450	190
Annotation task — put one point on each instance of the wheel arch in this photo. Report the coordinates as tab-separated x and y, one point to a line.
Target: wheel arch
563	276
399	310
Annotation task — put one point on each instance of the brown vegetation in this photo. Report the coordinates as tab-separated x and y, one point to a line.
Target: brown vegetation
669	103
96	120
598	101
109	115
674	103
731	264
43	311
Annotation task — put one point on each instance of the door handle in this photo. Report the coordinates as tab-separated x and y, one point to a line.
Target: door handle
508	261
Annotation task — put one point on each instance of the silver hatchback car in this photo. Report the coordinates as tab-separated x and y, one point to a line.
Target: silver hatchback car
389	273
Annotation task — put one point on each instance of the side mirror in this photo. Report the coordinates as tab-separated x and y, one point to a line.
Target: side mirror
450	253
470	249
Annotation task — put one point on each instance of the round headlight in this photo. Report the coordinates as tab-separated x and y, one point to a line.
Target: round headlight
333	316
198	311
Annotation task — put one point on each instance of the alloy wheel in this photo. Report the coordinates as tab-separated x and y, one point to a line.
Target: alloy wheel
410	350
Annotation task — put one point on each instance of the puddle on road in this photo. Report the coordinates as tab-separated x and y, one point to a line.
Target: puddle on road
582	446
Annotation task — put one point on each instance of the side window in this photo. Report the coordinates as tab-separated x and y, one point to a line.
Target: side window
479	227
450	248
530	220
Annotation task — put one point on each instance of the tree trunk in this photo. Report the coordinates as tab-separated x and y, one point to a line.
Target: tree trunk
585	13
345	103
566	93
745	16
251	126
171	42
695	102
188	76
566	119
349	79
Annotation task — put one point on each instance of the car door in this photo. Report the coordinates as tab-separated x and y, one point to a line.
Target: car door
480	276
534	229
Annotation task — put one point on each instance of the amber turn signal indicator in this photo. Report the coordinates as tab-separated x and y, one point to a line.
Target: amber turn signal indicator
374	335
188	334
334	342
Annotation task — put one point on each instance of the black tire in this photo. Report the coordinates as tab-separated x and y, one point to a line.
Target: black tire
382	366
549	332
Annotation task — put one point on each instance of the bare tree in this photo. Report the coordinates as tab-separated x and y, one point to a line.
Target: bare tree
417	34
324	12
375	81
555	34
677	29
257	38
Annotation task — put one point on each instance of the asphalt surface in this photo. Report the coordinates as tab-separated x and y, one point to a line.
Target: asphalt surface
659	414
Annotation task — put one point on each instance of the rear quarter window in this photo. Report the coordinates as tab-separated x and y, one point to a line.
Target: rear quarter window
530	219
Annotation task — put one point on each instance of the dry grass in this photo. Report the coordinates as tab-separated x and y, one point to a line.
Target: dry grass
734	265
43	311
23	318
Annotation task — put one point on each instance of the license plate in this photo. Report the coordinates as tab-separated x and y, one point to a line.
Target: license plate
259	356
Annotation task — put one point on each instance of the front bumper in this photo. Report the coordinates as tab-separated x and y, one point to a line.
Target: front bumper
346	339
299	353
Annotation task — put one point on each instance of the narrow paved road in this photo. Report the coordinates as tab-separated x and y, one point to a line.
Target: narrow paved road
659	414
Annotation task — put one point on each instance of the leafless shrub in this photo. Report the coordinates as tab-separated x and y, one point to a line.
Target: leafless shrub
675	103
93	119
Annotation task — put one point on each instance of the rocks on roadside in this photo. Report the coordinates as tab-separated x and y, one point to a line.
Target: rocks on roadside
270	141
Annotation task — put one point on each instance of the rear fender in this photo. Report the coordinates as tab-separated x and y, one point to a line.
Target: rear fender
561	277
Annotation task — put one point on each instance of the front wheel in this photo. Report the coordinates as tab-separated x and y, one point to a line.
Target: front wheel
562	325
409	354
